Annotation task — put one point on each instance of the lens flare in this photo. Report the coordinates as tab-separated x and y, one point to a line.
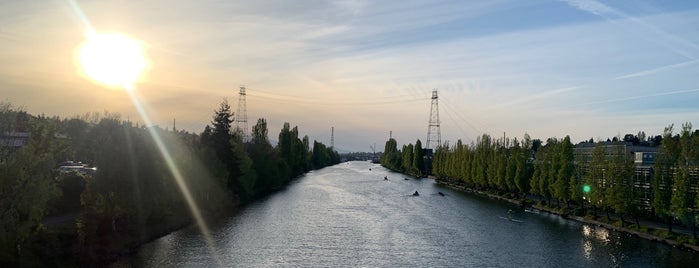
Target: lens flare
177	176
116	60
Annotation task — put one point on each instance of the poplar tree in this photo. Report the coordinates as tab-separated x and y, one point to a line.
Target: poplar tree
418	159
682	200
663	180
564	173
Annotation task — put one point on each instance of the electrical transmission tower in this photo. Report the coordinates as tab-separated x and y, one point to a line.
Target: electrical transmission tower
433	135
332	137
241	118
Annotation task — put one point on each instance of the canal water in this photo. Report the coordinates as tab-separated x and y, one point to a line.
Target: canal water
348	215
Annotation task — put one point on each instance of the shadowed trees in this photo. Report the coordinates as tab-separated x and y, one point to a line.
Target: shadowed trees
134	195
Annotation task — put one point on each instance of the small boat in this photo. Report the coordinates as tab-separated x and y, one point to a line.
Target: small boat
532	210
405	179
385	178
511	219
416	194
440	193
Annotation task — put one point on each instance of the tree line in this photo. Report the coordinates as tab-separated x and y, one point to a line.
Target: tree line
132	197
550	172
410	160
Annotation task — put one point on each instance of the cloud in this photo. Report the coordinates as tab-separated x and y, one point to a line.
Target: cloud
592	6
358	65
636	97
657	70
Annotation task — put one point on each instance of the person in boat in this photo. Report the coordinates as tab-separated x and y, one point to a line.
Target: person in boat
416	193
385	178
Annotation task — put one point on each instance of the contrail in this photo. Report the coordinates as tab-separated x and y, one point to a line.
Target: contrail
541	95
603	10
657	70
638	97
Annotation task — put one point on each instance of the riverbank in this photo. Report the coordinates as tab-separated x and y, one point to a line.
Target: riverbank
644	231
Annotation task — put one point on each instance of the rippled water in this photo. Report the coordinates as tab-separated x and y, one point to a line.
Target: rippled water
348	215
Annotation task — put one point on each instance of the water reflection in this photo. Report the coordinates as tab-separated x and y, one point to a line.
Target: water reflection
349	216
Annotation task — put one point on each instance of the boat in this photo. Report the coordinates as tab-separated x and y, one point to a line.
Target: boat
511	219
532	210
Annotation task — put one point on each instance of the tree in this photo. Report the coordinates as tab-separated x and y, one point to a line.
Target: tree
618	177
407	158
418	159
565	171
391	157
596	177
524	169
662	183
220	139
265	160
26	187
682	200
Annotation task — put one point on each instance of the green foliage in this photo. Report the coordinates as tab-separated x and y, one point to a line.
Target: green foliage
391	157
683	199
26	186
663	181
138	190
418	163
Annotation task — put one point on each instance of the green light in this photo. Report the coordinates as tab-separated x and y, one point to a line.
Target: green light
586	188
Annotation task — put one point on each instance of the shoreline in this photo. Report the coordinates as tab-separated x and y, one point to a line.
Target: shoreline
638	233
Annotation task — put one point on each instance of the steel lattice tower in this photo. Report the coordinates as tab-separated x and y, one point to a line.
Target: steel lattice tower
332	137
241	118
433	134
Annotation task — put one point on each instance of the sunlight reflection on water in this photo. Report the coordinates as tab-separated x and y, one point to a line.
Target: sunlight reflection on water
347	216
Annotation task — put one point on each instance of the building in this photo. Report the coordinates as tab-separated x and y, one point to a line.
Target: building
644	159
11	142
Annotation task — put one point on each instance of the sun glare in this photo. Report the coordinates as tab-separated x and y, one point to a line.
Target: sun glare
112	59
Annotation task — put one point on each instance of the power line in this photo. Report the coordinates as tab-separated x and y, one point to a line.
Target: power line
331	102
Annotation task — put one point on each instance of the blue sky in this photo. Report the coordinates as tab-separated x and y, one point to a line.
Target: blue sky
588	69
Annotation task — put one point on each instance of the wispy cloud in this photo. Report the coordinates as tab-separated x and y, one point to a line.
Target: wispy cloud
489	64
679	45
592	6
541	95
636	97
657	70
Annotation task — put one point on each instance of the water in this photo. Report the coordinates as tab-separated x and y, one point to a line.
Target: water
347	215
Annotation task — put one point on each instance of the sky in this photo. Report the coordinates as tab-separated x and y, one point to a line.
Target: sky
587	69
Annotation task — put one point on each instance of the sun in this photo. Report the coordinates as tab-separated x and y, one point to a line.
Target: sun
112	59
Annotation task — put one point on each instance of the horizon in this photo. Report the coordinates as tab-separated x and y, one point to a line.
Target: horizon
586	69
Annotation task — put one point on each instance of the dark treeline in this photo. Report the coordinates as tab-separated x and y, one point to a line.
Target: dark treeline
410	160
133	196
525	169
